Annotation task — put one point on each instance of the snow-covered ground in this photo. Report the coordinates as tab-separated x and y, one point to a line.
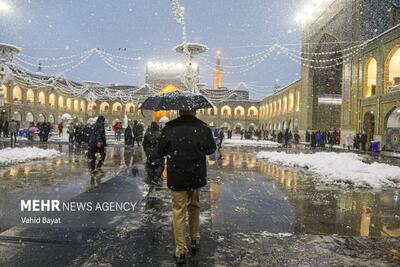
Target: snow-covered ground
339	168
237	142
19	155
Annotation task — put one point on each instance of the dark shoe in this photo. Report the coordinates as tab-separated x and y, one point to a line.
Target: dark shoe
195	245
181	259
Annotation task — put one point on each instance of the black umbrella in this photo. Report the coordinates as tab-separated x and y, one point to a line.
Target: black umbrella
176	101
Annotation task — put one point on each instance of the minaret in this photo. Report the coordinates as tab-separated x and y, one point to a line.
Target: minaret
218	73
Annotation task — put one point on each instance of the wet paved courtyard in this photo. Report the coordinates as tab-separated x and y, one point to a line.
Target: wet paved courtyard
253	214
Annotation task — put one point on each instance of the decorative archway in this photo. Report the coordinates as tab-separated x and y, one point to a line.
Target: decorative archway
104	106
392	69
41	98
17	93
326	88
392	130
30	96
369	125
252	112
52	100
129	108
76	105
5	93
370	70
226	111
212	111
239	111
116	108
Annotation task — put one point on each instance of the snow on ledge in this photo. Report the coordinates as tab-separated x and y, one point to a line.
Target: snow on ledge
18	155
344	168
254	143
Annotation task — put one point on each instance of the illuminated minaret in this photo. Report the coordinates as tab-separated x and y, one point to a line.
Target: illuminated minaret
218	73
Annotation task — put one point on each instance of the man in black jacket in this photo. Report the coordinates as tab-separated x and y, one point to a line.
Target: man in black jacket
97	143
186	141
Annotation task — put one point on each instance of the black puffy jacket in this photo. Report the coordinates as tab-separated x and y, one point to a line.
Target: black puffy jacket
98	133
186	141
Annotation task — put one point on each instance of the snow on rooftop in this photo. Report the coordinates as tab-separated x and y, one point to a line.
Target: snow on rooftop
18	155
341	168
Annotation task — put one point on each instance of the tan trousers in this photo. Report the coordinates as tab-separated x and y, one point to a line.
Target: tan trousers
183	201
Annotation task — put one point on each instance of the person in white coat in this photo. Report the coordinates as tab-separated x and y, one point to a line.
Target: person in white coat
349	141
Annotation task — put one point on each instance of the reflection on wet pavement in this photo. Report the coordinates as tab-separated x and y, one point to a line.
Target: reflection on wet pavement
293	200
245	194
245	206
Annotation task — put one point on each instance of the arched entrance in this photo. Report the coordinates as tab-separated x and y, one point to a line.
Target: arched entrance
326	80
392	130
369	125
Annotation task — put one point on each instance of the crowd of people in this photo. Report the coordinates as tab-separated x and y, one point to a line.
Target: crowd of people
357	142
134	134
322	138
12	129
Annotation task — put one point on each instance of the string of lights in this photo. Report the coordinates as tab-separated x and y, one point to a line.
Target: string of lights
256	61
74	89
54	58
321	60
110	64
239	57
342	51
46	66
317	67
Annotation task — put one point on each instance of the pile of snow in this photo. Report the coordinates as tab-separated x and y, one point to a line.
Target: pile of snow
19	155
254	143
339	168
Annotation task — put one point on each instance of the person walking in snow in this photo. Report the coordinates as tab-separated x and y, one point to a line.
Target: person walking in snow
60	127
221	137
13	130
363	141
185	142
349	142
128	137
97	144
